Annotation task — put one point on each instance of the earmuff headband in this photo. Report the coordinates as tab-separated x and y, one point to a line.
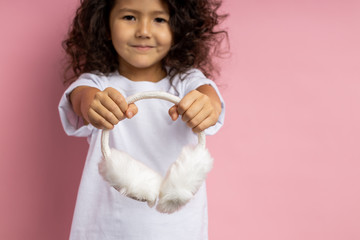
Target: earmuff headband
135	180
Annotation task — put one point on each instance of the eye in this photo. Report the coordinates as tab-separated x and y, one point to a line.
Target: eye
160	20
129	18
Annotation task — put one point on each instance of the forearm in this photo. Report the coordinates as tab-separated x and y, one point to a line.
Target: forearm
81	98
209	91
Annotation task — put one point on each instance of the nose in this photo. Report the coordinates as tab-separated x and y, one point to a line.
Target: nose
143	29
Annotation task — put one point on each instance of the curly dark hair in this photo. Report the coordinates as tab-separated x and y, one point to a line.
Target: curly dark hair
192	22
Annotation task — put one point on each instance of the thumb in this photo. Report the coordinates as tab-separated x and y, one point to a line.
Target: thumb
131	111
173	112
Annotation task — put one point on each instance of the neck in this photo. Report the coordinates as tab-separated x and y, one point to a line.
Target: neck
150	74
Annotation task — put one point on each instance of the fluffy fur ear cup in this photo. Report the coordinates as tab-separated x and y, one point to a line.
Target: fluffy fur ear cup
131	177
184	178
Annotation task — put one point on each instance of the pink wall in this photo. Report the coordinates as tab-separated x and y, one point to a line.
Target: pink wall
287	160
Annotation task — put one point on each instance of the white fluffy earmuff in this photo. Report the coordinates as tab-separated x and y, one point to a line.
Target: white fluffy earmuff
135	180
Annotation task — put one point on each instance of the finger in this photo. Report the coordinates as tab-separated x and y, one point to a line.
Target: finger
195	108
98	121
112	107
208	122
200	117
131	111
118	98
173	112
187	101
105	113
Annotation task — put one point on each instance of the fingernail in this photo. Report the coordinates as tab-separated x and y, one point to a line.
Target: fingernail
130	115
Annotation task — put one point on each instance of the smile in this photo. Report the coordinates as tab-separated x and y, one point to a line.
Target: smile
142	48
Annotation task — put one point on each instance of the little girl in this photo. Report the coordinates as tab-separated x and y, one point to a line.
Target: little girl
121	47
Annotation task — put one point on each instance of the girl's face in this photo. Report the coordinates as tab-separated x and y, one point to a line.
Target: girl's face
140	32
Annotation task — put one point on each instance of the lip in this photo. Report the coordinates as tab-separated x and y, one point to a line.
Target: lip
142	47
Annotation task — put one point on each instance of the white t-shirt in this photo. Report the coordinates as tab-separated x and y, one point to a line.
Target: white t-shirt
151	137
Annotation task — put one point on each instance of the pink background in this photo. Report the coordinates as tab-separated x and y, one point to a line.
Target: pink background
287	160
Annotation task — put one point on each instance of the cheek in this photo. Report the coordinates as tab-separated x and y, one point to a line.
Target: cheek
118	40
119	34
165	39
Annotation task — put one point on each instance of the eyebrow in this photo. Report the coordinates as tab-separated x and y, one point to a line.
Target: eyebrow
137	12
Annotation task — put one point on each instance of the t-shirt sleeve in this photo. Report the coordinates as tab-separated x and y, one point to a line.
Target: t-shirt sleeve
71	122
196	79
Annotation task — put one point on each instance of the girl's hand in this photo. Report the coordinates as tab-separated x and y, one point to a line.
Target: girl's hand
103	109
200	108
